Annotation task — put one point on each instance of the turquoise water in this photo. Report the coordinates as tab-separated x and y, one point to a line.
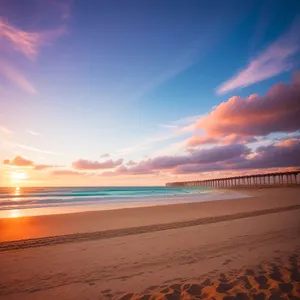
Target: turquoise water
37	201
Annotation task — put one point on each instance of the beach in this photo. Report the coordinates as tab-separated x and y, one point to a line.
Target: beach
244	248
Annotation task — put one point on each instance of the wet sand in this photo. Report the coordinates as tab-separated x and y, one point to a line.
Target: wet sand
229	248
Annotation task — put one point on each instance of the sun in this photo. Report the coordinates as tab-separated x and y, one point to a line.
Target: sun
18	176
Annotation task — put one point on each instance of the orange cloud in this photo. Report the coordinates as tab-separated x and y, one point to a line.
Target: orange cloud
19	161
196	140
277	111
288	143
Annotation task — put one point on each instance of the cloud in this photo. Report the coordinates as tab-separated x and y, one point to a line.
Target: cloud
15	77
131	163
197	140
231	157
5	130
104	155
43	167
36	149
27	43
83	164
277	111
202	156
235	139
123	170
288	143
281	155
19	161
272	61
65	172
32	132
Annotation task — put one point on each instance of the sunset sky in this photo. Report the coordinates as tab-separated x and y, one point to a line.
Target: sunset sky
147	92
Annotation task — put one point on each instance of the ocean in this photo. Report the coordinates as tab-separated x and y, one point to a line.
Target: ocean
17	202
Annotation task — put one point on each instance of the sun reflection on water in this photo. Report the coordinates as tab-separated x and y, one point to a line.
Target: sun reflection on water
17	191
15	213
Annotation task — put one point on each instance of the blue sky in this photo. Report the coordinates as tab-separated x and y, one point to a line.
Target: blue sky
117	77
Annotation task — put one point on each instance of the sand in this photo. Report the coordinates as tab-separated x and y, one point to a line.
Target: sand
246	248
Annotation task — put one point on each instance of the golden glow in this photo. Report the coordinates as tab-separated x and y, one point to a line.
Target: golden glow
17	191
18	175
15	213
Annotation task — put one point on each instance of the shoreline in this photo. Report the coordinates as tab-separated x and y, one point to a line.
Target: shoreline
116	203
102	220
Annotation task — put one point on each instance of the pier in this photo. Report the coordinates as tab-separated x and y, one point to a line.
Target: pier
268	179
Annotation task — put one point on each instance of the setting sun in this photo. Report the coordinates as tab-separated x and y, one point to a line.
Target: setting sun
18	175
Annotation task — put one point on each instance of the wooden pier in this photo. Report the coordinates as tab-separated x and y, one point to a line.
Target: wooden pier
269	179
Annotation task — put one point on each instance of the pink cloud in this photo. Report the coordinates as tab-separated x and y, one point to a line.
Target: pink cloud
197	140
235	139
277	111
28	43
271	62
19	161
104	155
83	164
131	163
14	76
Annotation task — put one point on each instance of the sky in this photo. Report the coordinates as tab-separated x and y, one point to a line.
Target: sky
147	92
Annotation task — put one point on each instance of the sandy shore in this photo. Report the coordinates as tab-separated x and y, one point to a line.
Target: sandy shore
165	252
